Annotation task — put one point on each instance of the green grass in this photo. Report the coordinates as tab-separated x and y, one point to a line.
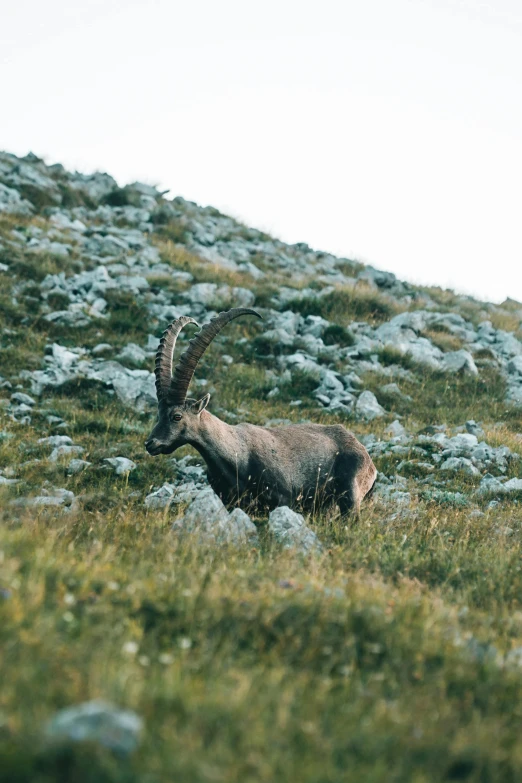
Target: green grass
438	398
348	303
382	659
263	667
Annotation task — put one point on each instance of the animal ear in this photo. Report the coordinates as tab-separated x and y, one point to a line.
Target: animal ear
200	405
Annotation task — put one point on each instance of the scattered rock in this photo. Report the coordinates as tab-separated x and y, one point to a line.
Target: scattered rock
77	466
460	464
489	486
209	522
393	390
367	407
100	722
12	203
513	485
49	497
160	498
396	430
289	529
56	440
22	398
101	348
6	482
122	466
132	353
474	429
459	362
64	451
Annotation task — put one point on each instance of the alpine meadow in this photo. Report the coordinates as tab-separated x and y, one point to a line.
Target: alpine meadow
148	632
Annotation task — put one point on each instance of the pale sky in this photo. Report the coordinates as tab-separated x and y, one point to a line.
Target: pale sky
384	130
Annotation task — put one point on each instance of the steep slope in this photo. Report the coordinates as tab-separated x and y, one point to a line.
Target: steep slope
411	608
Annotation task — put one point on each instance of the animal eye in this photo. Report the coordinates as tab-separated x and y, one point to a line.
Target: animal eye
177	417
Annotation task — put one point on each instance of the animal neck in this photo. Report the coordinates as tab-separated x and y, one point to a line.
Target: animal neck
217	442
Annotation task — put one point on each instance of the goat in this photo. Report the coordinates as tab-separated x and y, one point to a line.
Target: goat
248	465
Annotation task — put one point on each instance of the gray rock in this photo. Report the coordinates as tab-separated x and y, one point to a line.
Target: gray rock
474	429
56	440
122	466
396	430
160	498
393	390
134	388
95	185
6	482
514	366
314	325
203	293
459	362
25	399
242	297
252	270
49	497
289	529
460	464
12	203
64	451
210	294
209	522
206	507
101	348
100	722
331	392
513	485
303	363
132	353
186	492
460	445
77	466
62	221
241	530
72	317
172	494
367	407
489	485
137	388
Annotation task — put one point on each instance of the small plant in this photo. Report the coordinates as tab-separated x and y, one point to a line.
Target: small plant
390	356
335	334
348	303
122	197
127	315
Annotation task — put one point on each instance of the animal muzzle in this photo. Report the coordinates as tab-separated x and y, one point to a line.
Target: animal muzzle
154	447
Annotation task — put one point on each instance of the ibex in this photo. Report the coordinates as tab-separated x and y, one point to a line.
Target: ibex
295	465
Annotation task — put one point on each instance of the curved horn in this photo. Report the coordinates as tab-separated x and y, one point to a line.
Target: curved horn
164	354
184	369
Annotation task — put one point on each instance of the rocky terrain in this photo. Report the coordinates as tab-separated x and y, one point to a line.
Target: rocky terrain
91	273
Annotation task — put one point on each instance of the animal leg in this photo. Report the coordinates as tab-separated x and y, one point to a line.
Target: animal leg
349	504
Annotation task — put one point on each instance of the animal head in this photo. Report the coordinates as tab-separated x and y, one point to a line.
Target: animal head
179	417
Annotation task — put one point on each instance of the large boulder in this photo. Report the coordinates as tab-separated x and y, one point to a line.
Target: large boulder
289	529
207	520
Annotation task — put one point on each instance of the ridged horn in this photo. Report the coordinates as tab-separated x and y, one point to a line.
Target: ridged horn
164	354
184	370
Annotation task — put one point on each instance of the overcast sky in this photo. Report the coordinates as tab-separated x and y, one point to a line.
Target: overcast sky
390	132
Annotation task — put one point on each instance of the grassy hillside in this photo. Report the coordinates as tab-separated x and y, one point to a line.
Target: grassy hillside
395	653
